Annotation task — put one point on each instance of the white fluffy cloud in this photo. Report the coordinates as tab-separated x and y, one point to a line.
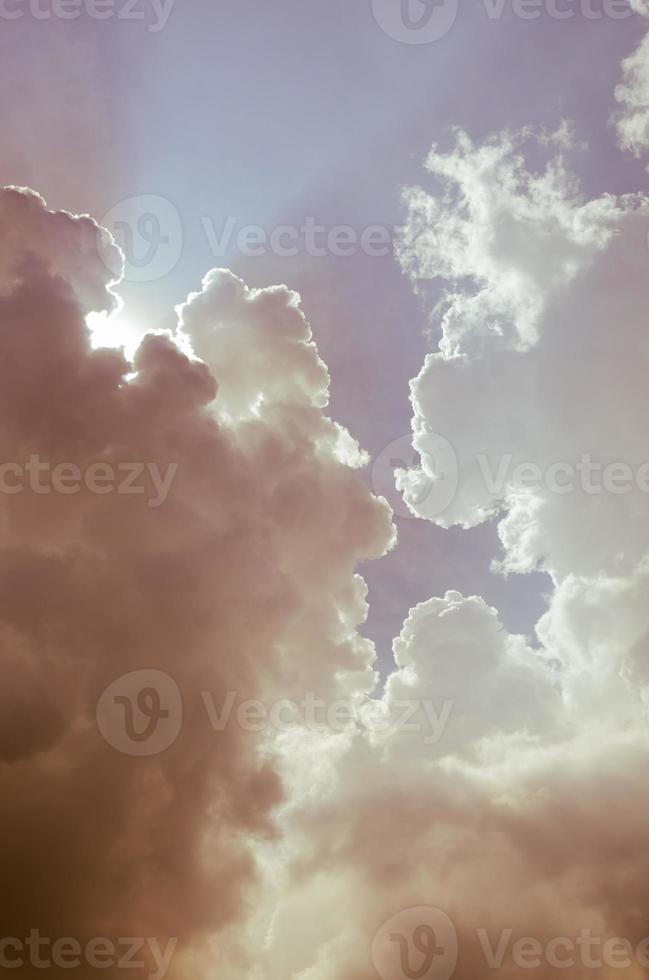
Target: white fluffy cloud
542	357
525	814
633	94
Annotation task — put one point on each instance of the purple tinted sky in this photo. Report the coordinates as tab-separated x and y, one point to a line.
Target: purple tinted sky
271	112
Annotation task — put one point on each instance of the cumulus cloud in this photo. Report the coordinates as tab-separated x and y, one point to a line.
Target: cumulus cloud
242	580
524	816
541	359
633	94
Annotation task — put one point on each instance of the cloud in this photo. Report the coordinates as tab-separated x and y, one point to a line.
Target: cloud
525	814
511	793
242	580
632	93
540	359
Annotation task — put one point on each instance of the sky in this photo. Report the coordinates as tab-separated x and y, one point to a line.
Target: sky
267	114
359	310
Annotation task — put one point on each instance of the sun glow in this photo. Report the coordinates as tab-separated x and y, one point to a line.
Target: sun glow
114	330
